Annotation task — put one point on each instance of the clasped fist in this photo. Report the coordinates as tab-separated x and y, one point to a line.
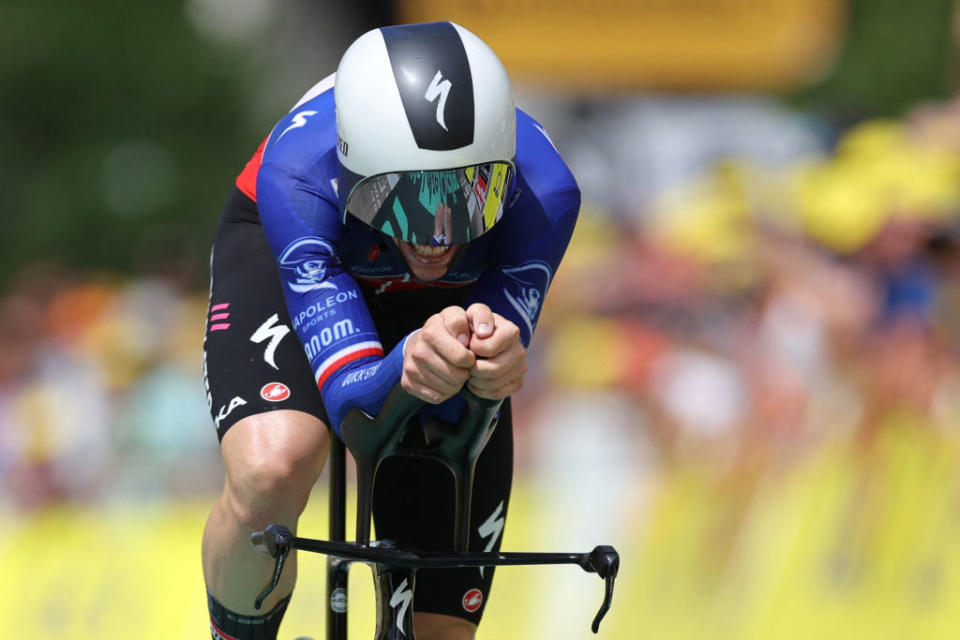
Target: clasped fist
456	347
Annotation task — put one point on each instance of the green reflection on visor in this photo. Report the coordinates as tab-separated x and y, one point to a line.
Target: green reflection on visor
433	207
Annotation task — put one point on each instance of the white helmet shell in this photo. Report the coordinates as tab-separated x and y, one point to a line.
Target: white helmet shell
421	97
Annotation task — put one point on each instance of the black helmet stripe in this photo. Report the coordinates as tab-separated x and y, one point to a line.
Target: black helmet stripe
432	73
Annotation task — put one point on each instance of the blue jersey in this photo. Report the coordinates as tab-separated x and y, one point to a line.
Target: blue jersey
322	256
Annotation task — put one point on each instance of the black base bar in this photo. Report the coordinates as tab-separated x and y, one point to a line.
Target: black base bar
278	541
397	558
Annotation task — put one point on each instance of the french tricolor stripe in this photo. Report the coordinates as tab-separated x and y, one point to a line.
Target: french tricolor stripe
219	633
354	352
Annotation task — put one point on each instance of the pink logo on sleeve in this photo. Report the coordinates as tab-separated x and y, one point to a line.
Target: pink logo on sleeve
219	316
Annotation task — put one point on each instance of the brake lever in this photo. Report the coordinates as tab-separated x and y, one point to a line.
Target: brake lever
605	562
274	540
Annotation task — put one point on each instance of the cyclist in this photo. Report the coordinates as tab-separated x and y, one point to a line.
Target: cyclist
404	221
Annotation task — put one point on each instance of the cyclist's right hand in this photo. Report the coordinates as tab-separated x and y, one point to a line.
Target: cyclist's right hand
436	360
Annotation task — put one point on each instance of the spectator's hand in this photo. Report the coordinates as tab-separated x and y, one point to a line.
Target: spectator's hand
501	358
436	359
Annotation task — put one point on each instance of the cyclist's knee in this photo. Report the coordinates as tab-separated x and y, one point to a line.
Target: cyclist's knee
267	490
435	626
273	460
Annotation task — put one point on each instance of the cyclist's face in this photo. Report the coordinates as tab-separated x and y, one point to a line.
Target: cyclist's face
427	263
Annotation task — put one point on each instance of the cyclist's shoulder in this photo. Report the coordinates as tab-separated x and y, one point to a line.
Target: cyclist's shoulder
545	200
539	164
307	132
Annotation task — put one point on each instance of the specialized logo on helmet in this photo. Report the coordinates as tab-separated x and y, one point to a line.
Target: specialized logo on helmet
428	60
472	600
306	259
525	293
441	89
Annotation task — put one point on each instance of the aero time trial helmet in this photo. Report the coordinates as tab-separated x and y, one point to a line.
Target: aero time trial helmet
426	133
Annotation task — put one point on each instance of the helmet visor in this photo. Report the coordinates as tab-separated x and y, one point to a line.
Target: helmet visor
437	208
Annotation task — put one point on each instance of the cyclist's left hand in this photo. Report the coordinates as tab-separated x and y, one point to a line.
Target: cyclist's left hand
501	358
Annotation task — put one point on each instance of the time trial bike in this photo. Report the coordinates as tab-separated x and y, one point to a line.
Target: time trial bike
371	440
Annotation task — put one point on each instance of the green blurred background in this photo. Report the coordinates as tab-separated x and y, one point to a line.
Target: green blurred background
746	377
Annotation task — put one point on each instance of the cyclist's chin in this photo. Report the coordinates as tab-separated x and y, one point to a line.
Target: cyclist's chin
428	274
427	267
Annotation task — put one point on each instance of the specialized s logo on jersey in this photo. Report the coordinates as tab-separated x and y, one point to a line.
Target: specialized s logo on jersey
273	332
441	90
529	286
299	120
303	264
492	528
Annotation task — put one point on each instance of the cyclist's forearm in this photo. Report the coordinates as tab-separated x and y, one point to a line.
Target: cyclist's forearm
362	384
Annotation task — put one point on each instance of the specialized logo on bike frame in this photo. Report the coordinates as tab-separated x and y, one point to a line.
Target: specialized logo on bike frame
530	283
401	598
275	392
306	259
472	600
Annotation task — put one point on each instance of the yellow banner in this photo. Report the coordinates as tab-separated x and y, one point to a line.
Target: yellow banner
651	44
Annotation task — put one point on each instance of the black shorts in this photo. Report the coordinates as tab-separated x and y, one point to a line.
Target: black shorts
254	362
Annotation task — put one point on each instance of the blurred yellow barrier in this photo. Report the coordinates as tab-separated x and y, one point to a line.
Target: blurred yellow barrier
629	44
848	544
104	573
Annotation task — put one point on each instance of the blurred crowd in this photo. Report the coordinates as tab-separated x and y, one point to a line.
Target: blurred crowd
743	318
100	389
786	341
763	309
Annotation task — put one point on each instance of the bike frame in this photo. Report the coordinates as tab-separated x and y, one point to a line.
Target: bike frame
371	440
338	568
